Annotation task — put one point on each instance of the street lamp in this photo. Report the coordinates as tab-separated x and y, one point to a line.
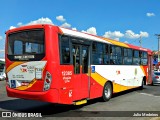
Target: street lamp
140	39
158	35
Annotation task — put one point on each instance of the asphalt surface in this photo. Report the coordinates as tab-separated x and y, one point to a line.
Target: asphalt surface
121	106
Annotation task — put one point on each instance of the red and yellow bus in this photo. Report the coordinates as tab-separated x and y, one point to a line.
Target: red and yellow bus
58	65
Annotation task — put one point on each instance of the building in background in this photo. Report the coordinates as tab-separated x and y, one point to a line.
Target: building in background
156	63
2	69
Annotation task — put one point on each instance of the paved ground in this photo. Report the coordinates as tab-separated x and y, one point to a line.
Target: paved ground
146	101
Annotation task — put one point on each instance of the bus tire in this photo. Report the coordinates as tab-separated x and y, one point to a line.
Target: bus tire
107	92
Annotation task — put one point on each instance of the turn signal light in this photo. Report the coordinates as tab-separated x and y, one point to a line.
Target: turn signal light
47	81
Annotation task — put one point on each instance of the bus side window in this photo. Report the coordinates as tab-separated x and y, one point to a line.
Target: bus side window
136	57
144	60
128	55
65	50
97	53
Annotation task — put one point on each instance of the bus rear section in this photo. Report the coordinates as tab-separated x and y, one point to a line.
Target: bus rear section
36	71
28	74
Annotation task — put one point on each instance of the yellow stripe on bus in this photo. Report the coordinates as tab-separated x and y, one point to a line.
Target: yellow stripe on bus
116	87
13	65
143	70
117	43
98	78
28	86
120	88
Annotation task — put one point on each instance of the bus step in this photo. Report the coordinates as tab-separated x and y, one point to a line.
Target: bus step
80	102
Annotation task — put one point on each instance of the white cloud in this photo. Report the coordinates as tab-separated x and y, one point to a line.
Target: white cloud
125	41
84	31
144	34
41	21
60	18
66	25
131	35
116	35
91	30
113	35
12	27
150	14
116	39
74	28
19	24
1	37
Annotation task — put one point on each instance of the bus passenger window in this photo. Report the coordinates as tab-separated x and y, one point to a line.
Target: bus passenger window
128	56
106	59
112	62
136	57
144	60
65	51
97	53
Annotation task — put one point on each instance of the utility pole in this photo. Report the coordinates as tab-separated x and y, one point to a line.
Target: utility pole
140	41
158	35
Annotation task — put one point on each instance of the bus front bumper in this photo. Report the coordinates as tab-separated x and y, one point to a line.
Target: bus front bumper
52	95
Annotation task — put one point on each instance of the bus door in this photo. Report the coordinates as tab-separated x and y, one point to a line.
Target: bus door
81	63
150	69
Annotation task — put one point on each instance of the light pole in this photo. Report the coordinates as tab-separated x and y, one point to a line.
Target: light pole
140	39
158	35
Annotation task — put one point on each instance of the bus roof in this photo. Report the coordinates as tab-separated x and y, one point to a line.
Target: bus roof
83	35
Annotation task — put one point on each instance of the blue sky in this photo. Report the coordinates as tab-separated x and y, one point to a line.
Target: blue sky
123	20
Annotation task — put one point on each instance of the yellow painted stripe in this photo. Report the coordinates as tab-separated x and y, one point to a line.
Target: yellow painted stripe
117	43
143	70
80	102
116	87
120	88
13	65
26	87
98	78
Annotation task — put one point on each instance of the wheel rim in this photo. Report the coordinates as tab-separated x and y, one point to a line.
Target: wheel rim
107	91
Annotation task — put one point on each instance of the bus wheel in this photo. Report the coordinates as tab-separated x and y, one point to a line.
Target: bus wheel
107	91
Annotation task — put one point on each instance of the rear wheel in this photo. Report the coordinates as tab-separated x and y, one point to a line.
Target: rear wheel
107	91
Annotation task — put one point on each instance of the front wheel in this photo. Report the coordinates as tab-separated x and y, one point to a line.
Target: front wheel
107	92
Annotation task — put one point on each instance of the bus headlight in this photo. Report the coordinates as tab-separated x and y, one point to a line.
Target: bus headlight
47	81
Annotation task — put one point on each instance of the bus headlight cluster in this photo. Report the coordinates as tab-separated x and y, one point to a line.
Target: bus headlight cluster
47	81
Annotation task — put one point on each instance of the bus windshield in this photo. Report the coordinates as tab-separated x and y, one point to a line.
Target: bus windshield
26	45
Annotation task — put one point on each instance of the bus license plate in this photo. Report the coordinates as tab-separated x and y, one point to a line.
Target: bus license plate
13	84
